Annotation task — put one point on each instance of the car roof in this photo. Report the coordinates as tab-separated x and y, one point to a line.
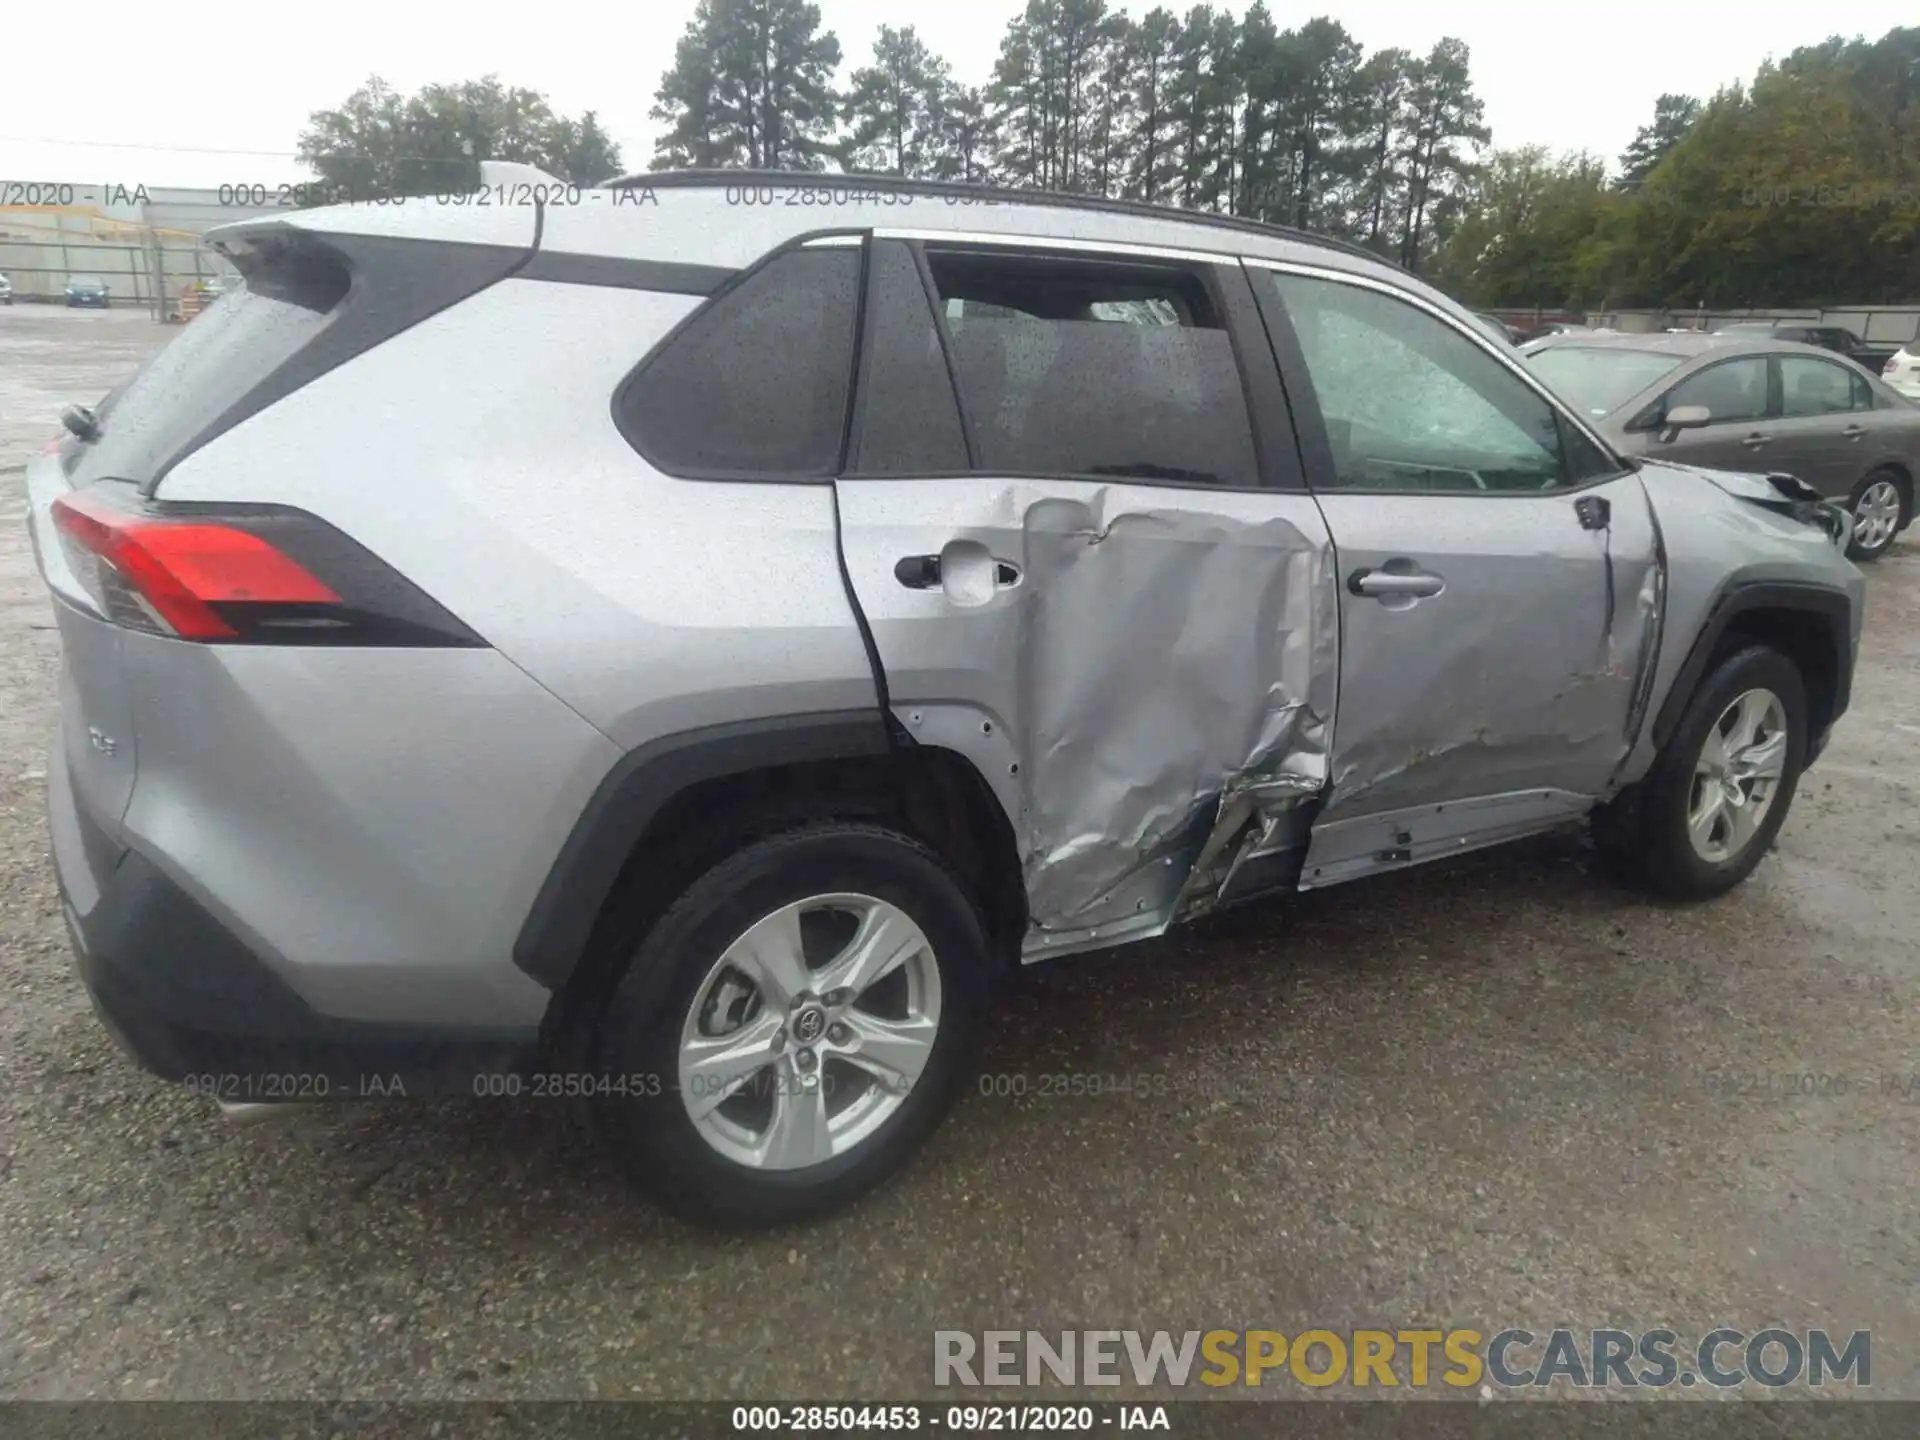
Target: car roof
1001	196
1687	346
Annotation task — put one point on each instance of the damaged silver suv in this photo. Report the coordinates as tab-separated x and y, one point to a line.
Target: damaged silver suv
678	650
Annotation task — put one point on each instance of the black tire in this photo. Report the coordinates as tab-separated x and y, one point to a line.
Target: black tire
639	1032
1644	832
1857	551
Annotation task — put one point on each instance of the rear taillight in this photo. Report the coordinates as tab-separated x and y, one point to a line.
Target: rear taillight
240	574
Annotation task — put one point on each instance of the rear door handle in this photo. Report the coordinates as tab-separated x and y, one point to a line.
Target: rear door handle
1854	432
918	572
923	572
1395	584
1757	439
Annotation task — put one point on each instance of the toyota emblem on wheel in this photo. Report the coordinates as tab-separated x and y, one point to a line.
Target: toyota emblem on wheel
809	1025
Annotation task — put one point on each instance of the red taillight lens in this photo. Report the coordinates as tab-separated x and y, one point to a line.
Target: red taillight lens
246	574
182	569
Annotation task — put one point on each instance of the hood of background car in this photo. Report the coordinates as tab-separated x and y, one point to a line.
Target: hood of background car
1778	492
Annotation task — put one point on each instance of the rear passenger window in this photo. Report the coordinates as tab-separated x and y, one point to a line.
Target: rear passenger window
757	383
1081	366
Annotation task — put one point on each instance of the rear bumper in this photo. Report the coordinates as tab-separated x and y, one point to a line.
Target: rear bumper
189	1001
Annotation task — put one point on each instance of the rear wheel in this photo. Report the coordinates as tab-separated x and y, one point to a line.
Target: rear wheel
1880	506
1719	792
794	1026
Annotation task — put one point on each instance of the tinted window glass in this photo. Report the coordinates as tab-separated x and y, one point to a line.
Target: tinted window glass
757	384
1410	403
1813	387
239	340
1731	390
1081	367
909	423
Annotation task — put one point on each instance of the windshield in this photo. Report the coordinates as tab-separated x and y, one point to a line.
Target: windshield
1599	380
92	281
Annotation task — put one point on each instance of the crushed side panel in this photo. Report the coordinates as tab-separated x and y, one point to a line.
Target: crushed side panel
1175	688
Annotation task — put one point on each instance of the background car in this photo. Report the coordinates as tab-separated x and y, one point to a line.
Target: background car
6	291
89	290
1498	328
1901	371
1735	400
1836	338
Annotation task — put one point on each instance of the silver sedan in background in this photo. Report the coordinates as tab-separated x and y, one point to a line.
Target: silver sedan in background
1736	402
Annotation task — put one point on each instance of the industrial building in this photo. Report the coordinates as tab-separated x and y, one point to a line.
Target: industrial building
143	241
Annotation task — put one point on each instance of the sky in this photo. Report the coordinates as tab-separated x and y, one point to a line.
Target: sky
158	99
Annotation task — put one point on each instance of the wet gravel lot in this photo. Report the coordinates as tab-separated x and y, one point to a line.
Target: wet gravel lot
1499	1091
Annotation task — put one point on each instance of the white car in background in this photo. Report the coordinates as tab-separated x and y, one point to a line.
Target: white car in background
1902	370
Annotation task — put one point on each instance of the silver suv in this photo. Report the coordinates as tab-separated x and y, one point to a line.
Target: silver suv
681	649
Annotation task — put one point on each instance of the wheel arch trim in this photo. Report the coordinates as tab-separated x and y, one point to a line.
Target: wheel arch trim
1737	598
560	924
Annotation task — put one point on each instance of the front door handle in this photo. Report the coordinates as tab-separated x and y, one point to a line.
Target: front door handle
1854	432
1757	439
1395	584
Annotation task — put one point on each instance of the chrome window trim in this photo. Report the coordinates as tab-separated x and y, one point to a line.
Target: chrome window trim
1009	240
1473	333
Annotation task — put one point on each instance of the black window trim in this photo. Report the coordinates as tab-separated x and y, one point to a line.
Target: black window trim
1657	407
1777	385
811	239
1315	448
1276	455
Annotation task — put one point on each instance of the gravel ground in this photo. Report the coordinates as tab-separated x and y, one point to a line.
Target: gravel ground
1476	1094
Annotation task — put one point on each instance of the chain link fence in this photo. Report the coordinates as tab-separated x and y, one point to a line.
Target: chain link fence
148	268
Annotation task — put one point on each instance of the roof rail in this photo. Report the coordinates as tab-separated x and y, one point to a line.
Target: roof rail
692	179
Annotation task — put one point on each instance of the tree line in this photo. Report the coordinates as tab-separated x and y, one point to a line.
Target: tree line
1297	126
1799	188
1796	188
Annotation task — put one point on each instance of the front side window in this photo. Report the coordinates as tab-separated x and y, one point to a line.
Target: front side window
1410	403
1073	365
756	384
1731	390
1816	387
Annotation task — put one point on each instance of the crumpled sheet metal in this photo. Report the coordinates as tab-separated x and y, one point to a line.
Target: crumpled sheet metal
1174	669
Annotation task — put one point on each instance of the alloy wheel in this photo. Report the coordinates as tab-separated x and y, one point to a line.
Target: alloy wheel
809	1031
1737	775
1876	515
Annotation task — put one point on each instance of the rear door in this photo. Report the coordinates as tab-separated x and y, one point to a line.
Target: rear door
1498	577
1074	520
1827	433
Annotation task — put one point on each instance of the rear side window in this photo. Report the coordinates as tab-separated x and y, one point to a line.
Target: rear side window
213	364
1816	387
1080	366
756	384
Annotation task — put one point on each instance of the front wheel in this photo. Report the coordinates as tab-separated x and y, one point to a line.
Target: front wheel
1719	792
1879	509
803	1016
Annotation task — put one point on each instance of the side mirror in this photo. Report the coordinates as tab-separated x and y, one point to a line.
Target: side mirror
1683	417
